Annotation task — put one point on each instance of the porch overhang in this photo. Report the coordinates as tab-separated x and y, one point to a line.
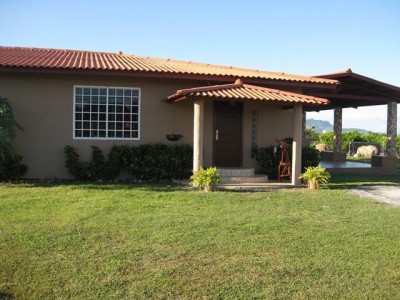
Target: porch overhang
240	91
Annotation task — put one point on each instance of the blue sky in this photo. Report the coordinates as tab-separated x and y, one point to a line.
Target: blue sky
306	37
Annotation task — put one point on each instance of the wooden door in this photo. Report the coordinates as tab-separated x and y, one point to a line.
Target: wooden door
227	134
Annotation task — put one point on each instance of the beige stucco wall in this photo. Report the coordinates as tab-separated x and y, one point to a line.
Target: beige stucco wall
273	122
43	105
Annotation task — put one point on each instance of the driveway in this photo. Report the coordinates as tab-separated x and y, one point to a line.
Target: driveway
388	194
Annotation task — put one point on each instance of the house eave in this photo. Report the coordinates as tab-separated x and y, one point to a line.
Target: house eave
167	75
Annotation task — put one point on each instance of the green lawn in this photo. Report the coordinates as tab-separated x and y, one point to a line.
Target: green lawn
156	242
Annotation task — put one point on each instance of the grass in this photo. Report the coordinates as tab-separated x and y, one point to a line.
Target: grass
344	181
365	160
155	242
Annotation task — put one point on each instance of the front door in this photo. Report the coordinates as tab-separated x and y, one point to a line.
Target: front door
227	134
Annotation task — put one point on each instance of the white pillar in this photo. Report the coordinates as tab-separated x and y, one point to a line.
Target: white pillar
198	135
297	143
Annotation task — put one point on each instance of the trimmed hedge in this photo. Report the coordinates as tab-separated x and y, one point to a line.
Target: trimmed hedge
145	162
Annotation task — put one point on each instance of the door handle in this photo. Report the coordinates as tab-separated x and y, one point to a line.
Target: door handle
216	134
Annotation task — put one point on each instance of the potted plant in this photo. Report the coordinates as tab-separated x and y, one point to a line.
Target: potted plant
206	179
315	176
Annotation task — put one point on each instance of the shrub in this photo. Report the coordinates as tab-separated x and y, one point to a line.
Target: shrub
310	157
113	165
326	138
206	178
11	166
352	136
144	162
159	161
268	161
80	170
315	176
398	143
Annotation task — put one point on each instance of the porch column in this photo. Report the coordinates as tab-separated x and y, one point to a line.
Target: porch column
304	125
297	143
337	129
198	135
392	129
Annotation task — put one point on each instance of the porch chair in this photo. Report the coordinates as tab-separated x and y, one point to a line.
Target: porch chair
285	167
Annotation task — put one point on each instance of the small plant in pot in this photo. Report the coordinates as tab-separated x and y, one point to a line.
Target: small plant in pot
206	179
315	177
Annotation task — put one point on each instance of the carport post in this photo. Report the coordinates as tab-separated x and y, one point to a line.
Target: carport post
392	128
337	129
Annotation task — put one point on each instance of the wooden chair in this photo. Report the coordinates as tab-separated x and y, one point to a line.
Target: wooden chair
285	167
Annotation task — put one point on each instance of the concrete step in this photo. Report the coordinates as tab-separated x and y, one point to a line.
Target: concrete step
244	179
237	172
240	175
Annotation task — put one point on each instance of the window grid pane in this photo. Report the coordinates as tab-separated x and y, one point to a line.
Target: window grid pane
106	113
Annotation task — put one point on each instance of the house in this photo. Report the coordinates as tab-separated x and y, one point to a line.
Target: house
82	98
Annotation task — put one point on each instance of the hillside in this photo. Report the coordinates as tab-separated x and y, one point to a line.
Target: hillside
321	126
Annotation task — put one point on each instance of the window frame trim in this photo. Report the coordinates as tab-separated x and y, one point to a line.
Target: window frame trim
107	138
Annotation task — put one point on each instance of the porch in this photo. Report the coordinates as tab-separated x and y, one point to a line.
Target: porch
237	120
354	91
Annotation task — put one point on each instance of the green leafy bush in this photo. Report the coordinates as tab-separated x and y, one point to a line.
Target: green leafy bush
352	136
315	176
80	170
206	178
144	162
326	138
159	161
267	160
310	157
11	165
96	169
398	143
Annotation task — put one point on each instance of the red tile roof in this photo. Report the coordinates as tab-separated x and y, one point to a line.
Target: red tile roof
56	59
241	91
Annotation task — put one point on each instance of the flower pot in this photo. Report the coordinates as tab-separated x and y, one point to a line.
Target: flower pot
312	185
208	188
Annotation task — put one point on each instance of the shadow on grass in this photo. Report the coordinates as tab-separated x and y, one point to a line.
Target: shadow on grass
107	186
349	181
4	296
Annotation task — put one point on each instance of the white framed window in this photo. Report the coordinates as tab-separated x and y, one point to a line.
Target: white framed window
102	112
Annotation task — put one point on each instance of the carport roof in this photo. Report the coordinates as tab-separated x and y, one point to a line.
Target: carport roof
355	91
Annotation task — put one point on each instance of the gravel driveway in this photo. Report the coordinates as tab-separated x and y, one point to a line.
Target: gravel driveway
388	194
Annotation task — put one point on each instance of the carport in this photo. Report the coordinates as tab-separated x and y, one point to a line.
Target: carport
355	91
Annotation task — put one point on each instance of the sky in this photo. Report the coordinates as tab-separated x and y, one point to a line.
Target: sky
308	37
